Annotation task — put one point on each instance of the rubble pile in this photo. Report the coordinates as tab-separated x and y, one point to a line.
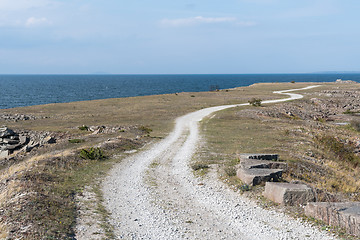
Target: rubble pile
12	142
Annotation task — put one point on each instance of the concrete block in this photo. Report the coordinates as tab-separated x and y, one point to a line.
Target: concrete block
341	214
288	194
256	176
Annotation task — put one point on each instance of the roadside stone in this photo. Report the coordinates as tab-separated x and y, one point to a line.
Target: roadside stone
341	214
256	176
260	156
288	194
249	163
256	169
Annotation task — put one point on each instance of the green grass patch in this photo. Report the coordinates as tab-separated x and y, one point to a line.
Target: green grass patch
83	128
76	140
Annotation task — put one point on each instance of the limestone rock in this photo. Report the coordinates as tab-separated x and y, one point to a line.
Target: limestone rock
260	156
23	139
341	214
4	154
256	169
49	140
263	164
256	176
288	193
5	132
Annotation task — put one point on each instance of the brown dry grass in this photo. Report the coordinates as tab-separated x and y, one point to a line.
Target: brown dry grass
56	177
39	193
156	112
234	131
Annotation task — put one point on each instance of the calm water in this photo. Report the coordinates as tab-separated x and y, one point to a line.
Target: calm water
27	90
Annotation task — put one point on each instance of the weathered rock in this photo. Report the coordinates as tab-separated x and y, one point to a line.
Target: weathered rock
5	132
10	141
260	156
12	147
4	153
256	176
23	139
288	193
49	140
250	163
341	214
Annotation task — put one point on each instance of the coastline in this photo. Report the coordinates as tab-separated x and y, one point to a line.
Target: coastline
120	127
44	89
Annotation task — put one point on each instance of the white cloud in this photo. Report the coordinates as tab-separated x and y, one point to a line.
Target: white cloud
195	20
33	21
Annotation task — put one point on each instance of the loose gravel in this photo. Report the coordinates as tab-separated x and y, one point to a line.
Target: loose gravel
154	195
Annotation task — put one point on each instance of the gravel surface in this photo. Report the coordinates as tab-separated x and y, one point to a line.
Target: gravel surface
154	195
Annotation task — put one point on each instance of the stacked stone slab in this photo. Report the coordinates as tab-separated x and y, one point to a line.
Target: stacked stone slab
288	194
10	141
341	214
256	169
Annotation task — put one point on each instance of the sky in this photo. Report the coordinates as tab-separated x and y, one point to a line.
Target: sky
178	36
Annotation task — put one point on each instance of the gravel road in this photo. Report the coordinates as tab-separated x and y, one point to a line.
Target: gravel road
154	195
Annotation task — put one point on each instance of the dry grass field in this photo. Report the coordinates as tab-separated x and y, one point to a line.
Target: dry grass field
37	191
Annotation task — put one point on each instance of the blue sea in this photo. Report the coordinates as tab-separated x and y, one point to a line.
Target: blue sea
27	90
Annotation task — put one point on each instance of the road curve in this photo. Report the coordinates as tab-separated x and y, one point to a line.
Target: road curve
154	195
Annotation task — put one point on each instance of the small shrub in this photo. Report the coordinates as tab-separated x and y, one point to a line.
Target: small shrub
256	102
192	96
92	154
199	166
292	81
230	171
145	129
76	140
84	128
322	120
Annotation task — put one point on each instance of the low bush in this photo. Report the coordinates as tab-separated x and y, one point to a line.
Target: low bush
230	171
84	128
145	130
92	154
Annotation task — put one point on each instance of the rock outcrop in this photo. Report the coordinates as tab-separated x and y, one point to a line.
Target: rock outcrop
288	194
12	142
17	117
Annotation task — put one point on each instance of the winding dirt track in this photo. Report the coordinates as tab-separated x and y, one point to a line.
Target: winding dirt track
154	195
